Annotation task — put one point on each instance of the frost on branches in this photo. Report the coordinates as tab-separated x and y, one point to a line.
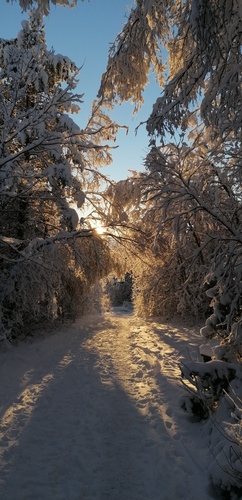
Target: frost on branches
202	41
190	199
195	48
44	5
47	163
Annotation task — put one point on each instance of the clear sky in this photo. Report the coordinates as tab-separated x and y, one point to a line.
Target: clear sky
84	34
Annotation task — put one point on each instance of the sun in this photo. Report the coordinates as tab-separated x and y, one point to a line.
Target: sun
100	230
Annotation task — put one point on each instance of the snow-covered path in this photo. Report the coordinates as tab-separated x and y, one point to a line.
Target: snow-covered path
92	413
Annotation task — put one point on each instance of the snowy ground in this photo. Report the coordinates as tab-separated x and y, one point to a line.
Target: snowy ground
92	413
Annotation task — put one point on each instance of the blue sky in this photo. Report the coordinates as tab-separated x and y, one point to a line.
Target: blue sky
84	34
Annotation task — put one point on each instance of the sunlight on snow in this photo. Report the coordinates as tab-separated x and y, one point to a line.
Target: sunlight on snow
25	404
66	360
141	367
120	378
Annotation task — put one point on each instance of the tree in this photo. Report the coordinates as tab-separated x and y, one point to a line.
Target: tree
192	197
186	206
203	42
46	164
192	187
46	159
195	50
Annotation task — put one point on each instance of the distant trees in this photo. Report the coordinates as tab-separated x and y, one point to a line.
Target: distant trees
120	291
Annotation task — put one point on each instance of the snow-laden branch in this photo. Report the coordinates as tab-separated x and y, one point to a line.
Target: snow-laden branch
44	5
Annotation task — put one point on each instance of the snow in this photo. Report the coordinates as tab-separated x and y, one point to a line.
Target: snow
80	198
206	350
91	412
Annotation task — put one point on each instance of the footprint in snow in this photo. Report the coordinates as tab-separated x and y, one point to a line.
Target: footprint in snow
168	424
169	412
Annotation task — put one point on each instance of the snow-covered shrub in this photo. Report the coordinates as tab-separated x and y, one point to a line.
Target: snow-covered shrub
226	291
225	441
214	392
226	469
207	382
231	347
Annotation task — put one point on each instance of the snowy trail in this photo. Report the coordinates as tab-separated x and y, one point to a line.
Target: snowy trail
92	413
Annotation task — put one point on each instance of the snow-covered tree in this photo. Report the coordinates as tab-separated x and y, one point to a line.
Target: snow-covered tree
186	206
195	49
47	163
193	197
46	159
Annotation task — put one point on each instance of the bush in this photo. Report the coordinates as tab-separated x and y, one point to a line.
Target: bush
214	393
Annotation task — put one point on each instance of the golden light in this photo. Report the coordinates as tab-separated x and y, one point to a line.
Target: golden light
100	230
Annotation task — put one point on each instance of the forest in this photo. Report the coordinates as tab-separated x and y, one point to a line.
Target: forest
176	222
